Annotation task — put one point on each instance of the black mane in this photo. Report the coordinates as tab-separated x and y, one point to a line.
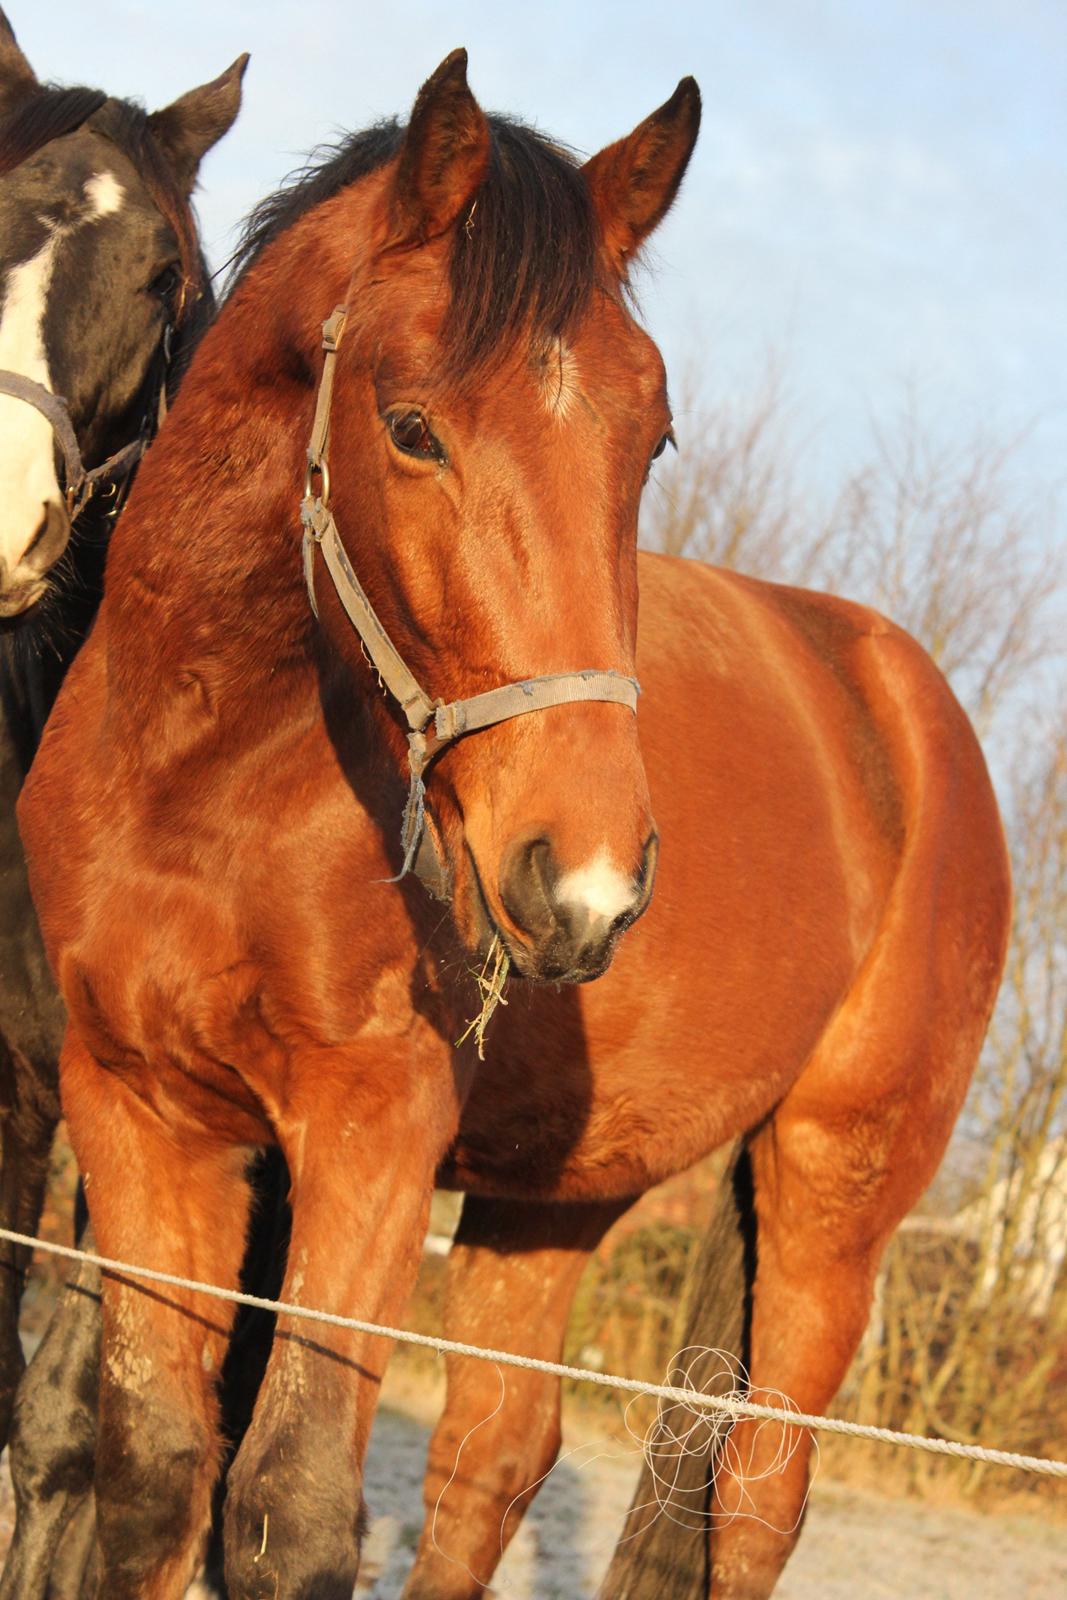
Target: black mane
526	256
46	112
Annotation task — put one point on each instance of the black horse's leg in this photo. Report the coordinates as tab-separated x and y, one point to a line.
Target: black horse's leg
31	1031
53	1446
29	1111
75	1574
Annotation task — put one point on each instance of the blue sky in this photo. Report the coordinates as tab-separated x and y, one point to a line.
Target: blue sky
879	194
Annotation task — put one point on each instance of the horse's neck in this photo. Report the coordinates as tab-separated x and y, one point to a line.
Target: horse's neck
205	597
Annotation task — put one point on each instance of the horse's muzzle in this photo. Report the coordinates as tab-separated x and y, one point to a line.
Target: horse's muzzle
565	925
23	585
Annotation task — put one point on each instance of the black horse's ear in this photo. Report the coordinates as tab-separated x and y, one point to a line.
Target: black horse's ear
444	154
634	181
188	128
16	74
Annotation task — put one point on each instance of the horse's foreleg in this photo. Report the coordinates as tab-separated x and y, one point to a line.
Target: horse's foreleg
362	1147
29	1110
512	1274
180	1207
53	1440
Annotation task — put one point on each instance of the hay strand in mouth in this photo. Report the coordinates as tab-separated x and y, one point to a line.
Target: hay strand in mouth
491	981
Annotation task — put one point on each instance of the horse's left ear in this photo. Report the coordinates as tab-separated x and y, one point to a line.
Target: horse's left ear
634	181
444	154
188	128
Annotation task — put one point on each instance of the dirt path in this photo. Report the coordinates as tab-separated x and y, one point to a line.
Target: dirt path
856	1545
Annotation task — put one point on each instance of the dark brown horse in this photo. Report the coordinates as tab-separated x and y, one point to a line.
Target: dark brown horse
103	294
216	799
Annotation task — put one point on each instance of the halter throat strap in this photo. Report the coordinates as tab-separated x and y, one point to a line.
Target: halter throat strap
432	724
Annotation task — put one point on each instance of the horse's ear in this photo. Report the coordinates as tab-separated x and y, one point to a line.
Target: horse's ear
634	181
444	154
16	74
188	128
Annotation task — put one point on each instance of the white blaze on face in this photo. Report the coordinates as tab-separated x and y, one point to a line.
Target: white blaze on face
28	482
599	889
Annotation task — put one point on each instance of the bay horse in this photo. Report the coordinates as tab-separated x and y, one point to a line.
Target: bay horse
103	293
215	800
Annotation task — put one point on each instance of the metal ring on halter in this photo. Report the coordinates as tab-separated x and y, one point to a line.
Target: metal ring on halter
320	466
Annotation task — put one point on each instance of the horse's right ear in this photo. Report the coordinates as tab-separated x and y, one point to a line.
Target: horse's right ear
633	182
16	74
188	128
444	154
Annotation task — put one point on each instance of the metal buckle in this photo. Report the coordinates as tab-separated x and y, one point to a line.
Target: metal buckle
322	468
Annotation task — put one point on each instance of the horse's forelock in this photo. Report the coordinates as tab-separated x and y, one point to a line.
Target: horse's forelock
524	255
43	114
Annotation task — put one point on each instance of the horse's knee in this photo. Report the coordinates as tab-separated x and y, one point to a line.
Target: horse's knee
509	1454
294	1518
154	1473
53	1442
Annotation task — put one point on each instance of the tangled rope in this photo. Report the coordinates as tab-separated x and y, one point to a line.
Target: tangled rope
690	1397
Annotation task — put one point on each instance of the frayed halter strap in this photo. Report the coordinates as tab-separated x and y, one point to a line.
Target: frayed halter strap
432	724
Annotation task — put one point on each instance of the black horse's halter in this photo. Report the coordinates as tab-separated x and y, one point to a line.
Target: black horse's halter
432	724
81	482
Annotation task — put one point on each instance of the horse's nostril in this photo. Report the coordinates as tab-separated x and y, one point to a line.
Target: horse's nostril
647	874
39	533
527	887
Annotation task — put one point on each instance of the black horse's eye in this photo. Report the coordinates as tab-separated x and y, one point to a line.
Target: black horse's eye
165	284
410	432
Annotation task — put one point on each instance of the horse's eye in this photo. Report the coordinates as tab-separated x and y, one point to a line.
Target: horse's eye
668	438
410	432
165	284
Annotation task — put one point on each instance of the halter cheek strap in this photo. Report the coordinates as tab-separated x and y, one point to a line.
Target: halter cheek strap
432	724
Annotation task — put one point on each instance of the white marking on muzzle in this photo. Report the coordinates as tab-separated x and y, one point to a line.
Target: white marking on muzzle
599	889
28	482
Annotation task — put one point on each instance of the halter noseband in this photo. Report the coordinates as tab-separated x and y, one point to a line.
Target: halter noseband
80	481
432	724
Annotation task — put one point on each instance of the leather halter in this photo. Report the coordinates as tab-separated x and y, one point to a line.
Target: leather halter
80	482
432	724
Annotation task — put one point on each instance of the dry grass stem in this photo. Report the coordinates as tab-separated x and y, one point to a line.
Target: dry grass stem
491	981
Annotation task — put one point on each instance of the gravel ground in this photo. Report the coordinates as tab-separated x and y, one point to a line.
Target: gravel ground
856	1545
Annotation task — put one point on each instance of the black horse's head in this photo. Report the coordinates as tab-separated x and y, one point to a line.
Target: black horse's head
100	278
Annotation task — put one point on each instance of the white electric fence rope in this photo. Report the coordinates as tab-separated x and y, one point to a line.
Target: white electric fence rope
690	1398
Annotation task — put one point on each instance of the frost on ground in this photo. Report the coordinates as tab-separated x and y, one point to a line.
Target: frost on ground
856	1545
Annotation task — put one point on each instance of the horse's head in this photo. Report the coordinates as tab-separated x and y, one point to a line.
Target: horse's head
98	258
496	411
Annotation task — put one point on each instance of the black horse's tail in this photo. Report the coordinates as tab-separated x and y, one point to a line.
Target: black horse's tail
655	1557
